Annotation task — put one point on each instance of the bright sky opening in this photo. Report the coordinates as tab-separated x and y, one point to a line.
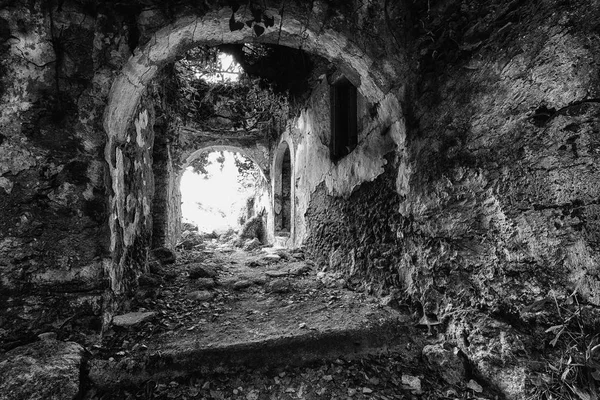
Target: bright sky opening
213	204
230	70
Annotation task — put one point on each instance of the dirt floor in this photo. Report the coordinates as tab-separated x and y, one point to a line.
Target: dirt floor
220	297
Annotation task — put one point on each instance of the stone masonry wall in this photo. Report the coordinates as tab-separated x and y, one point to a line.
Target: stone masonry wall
55	75
504	186
495	222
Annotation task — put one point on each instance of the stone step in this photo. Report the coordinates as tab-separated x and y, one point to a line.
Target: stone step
187	356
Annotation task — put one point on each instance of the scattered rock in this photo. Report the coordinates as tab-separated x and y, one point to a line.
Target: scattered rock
252	244
253	264
412	382
200	295
190	240
299	269
48	369
391	300
47	336
276	274
150	279
186	226
132	319
243	284
447	362
166	274
474	386
201	271
189	244
206	283
278	286
165	255
259	280
331	280
272	258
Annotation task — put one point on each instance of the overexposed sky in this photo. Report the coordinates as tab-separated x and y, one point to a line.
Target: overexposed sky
227	63
220	194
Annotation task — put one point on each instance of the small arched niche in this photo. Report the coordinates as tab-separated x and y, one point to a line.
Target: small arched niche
282	194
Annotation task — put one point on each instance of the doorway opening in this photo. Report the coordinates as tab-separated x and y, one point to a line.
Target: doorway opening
283	194
220	191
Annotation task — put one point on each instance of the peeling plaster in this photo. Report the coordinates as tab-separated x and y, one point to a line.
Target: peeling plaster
312	163
141	122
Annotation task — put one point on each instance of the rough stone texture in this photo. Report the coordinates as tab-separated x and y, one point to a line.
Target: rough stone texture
202	271
48	369
200	295
447	361
132	319
485	207
379	132
251	244
359	236
53	239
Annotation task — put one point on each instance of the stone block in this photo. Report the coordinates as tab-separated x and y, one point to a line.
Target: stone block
44	370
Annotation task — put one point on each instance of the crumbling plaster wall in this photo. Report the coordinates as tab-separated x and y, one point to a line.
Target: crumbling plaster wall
380	131
56	67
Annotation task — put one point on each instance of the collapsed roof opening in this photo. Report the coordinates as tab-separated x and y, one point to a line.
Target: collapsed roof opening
242	87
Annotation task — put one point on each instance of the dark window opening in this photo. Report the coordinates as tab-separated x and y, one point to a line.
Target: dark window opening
344	132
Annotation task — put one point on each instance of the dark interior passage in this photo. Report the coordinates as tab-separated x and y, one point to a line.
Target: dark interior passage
283	203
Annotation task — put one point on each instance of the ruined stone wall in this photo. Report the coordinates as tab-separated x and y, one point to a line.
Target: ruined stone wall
381	131
359	235
56	70
166	207
133	190
504	187
491	226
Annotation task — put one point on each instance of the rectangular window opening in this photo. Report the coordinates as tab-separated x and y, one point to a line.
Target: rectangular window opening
344	132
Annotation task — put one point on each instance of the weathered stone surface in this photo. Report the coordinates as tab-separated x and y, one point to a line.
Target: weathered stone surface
276	273
278	286
205	283
300	269
165	255
200	295
150	279
272	258
202	271
242	284
252	244
132	319
446	361
48	369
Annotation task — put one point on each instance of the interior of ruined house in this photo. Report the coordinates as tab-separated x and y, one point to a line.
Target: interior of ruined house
426	222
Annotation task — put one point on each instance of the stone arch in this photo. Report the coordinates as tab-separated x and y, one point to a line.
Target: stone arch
213	29
293	29
283	193
255	154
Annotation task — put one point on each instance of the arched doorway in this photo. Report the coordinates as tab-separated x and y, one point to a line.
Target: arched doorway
282	194
226	189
